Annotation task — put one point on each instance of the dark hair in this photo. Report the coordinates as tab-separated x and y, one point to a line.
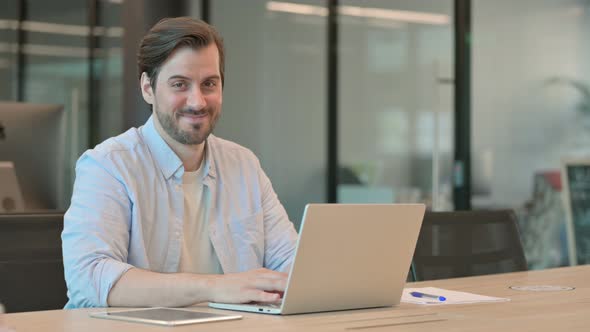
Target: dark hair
168	35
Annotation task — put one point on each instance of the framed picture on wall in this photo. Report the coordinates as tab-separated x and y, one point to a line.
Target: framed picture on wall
576	194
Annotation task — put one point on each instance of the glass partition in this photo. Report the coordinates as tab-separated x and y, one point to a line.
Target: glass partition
396	102
275	92
55	68
531	110
108	70
8	49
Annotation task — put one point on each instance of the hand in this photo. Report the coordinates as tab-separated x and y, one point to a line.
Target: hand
261	285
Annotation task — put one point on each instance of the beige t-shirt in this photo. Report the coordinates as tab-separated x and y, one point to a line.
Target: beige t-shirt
197	254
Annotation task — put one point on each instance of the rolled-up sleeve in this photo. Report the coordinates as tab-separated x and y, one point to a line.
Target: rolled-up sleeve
95	238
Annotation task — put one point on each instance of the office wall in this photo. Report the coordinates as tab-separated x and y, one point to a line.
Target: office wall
524	120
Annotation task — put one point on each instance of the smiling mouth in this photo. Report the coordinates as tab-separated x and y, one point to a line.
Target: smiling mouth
193	114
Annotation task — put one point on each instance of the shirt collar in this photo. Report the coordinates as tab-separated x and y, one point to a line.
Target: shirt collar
169	163
209	166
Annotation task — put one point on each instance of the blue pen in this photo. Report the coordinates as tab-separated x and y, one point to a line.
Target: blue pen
430	296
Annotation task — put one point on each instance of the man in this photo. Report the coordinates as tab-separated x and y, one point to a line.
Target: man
168	214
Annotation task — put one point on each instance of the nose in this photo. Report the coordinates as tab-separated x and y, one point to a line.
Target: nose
196	100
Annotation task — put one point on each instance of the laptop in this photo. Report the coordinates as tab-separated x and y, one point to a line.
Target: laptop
348	256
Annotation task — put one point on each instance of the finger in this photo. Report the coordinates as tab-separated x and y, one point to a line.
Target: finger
281	293
271	274
259	273
261	296
270	285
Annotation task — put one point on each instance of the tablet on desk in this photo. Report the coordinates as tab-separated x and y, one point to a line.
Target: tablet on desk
164	316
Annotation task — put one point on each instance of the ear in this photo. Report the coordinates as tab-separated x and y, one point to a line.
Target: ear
146	89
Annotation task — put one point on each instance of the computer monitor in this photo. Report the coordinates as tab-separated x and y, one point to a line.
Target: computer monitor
11	199
32	137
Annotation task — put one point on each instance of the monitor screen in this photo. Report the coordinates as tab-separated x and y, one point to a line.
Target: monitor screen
32	137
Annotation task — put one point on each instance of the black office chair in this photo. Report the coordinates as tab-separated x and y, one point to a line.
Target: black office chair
467	243
31	264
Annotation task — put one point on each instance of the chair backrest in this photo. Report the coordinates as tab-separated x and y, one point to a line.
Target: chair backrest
467	243
31	264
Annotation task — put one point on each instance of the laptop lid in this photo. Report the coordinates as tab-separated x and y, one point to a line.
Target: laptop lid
348	256
352	256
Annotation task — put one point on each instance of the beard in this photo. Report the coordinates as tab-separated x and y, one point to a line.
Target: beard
197	134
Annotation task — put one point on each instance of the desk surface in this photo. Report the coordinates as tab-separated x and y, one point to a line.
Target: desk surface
528	311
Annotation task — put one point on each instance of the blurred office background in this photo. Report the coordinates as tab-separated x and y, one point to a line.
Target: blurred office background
344	101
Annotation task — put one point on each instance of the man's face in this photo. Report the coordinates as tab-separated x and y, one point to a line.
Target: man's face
187	99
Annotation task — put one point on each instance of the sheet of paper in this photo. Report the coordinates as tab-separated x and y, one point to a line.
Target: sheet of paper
452	297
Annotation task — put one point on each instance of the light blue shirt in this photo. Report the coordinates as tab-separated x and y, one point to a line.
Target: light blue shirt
127	210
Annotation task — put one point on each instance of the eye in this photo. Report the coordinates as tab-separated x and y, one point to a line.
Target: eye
210	84
179	85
